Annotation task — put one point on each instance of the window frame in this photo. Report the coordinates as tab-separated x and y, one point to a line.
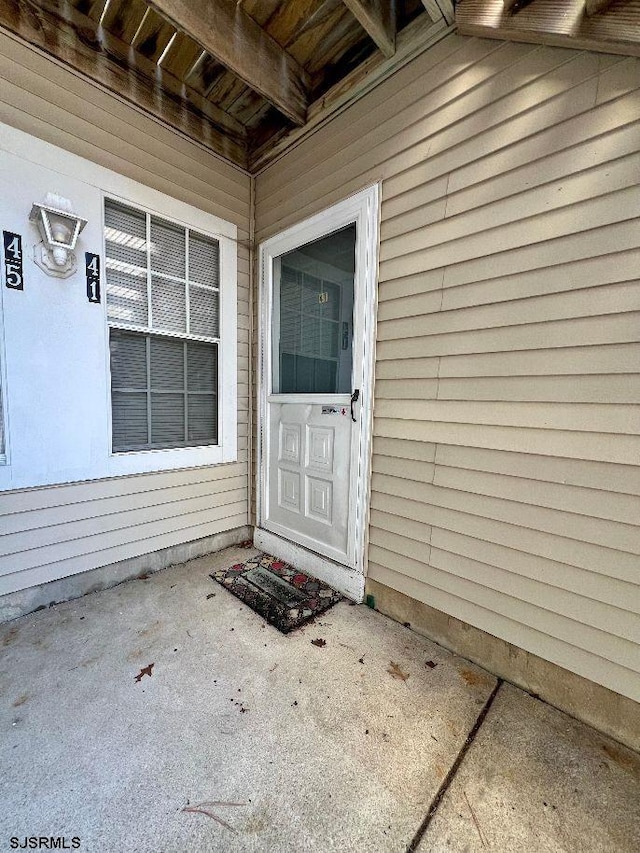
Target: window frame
155	459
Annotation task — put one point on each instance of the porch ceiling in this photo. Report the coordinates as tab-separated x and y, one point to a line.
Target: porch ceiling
246	77
235	75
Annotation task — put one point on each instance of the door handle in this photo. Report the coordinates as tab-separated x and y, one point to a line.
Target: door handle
354	399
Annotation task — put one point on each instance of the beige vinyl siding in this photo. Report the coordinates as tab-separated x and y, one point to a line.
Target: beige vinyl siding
48	533
506	455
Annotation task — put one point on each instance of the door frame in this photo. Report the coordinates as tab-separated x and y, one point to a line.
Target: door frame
363	209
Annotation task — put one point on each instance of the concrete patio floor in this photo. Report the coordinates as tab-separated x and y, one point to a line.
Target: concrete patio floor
341	747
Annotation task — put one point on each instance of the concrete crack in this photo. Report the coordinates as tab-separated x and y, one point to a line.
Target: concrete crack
448	779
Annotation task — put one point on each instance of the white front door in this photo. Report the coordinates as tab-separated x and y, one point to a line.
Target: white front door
317	336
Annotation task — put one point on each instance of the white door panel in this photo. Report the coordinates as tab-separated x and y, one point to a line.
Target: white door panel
309	484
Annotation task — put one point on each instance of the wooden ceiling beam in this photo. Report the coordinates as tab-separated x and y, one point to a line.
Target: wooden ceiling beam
91	8
378	18
73	39
223	29
562	23
413	40
438	8
594	7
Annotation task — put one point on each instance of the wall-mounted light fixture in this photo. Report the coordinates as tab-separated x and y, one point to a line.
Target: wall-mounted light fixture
59	228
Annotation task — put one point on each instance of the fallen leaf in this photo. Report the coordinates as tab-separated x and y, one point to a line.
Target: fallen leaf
10	636
431	664
613	753
473	678
319	642
146	670
394	670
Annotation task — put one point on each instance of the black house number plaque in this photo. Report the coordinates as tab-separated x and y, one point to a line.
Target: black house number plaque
12	252
92	269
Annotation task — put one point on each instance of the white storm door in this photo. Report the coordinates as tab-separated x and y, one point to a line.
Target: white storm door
311	427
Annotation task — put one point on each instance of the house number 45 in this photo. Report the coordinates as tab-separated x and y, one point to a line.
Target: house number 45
12	244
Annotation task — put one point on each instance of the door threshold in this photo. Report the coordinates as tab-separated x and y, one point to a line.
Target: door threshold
347	581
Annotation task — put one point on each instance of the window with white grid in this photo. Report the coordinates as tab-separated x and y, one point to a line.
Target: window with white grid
163	309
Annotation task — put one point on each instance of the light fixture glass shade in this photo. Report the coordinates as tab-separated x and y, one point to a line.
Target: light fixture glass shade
58	228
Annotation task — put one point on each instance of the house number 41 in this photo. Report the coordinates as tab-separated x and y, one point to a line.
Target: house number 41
92	269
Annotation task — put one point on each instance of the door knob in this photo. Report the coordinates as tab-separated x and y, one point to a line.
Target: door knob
354	399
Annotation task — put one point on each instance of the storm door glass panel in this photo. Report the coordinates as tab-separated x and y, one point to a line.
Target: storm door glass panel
313	313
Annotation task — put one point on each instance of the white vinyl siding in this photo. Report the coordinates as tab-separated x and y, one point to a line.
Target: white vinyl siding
506	457
52	532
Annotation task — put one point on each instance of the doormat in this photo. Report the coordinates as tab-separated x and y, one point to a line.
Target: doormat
282	595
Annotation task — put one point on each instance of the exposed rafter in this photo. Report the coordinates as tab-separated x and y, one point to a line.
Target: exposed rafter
75	40
417	37
378	17
224	30
594	7
562	23
441	8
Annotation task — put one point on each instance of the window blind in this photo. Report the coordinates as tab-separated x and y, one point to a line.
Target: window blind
163	307
164	391
309	333
160	276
